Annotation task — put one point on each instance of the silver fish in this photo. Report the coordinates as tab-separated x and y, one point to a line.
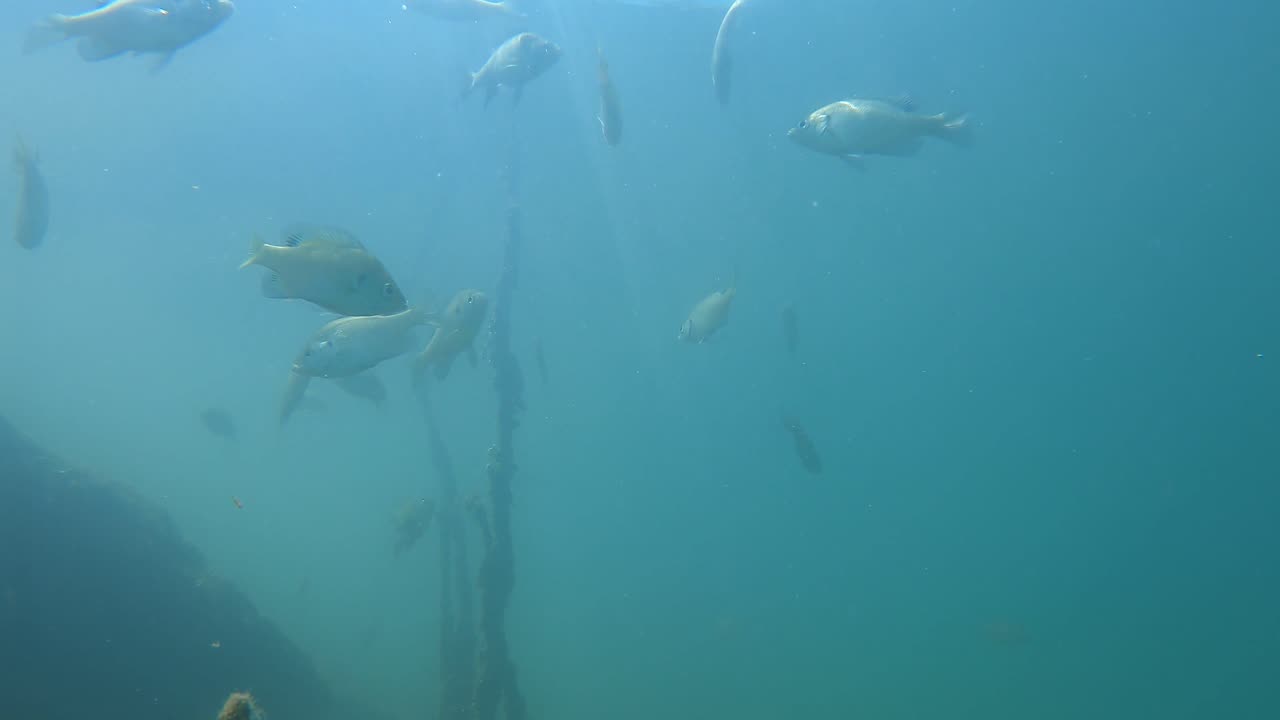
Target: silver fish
850	129
721	58
33	198
136	26
515	63
610	116
350	345
463	10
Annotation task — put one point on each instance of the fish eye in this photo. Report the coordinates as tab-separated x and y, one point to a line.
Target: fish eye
803	124
388	290
471	299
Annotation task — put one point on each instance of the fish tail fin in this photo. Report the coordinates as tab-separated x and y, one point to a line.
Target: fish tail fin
46	33
23	155
955	129
255	252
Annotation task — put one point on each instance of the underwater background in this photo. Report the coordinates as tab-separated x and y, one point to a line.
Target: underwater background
1041	371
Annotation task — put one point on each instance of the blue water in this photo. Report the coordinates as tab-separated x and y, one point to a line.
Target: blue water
1041	372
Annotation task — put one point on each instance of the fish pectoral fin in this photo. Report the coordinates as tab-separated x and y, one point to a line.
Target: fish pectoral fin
162	62
854	161
93	49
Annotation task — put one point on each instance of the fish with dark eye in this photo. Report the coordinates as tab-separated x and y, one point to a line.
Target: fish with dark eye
329	267
114	28
33	198
219	422
351	345
456	331
804	447
853	129
516	63
709	315
610	116
790	329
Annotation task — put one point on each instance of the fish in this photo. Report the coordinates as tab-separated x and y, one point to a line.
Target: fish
350	345
708	316
851	129
610	117
114	28
236	501
540	360
33	198
365	385
219	422
327	267
721	58
292	399
456	330
804	447
514	64
464	10
409	524
790	329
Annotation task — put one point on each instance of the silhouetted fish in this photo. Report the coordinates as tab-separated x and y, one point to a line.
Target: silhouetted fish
542	361
790	329
219	422
805	449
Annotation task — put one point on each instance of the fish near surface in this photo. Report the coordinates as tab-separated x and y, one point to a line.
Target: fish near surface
330	268
610	116
721	57
456	331
850	129
351	345
804	446
136	26
514	64
708	316
464	10
33	198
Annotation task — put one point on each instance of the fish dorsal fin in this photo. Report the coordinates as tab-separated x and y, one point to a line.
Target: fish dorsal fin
903	102
302	233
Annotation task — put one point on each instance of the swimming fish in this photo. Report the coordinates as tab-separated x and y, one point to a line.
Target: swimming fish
219	422
351	345
456	330
515	63
295	391
409	524
33	198
610	116
805	448
330	268
721	58
463	10
790	328
540	359
850	129
709	315
137	26
365	385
